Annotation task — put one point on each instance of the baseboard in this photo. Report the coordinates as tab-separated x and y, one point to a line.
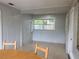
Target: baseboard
49	42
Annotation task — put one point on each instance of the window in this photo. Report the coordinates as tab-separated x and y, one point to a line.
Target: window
44	23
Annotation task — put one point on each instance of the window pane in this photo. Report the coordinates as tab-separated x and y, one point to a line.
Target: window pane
45	22
38	27
49	27
38	22
50	21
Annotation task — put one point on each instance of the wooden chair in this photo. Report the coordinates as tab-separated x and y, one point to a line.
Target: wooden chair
5	43
45	50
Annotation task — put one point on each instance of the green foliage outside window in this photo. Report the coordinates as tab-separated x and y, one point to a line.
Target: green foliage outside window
38	22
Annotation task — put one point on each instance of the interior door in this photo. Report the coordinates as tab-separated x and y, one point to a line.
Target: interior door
26	32
0	32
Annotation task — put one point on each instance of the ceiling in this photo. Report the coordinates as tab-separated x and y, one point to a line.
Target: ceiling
40	6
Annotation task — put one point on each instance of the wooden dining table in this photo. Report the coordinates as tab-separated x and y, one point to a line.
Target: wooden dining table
16	54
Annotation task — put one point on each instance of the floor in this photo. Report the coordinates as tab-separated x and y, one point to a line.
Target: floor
56	51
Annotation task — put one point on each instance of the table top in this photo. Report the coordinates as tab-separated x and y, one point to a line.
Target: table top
14	54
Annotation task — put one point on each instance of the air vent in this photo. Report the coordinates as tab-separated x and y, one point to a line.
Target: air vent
11	4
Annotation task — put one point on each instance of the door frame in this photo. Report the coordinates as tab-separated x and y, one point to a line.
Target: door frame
0	31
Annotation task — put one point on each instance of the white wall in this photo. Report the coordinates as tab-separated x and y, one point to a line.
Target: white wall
15	26
55	36
70	34
10	23
75	52
72	44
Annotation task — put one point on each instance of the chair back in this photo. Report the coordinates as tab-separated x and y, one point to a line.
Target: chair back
5	43
45	50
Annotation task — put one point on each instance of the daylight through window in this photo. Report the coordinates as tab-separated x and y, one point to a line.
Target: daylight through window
44	24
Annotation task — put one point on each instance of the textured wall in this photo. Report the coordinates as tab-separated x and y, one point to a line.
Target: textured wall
54	36
15	26
10	23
